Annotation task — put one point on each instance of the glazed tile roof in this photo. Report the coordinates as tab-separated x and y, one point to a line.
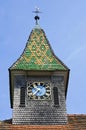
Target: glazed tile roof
38	54
75	122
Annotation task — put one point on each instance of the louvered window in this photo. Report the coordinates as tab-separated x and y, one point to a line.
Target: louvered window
56	98
22	96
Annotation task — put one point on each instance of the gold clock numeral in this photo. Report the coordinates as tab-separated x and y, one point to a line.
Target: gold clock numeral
44	97
39	83
34	85
30	87
48	94
30	93
33	96
47	90
47	87
29	90
39	98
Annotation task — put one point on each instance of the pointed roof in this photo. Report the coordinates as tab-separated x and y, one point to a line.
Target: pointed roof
38	54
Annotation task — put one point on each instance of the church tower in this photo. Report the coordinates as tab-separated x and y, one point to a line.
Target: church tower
38	83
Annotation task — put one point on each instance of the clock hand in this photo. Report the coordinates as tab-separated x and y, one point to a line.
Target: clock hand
38	89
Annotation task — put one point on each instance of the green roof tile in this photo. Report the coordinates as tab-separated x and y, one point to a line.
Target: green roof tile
38	54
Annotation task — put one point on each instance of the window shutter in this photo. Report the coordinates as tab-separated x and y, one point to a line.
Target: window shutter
22	96
56	98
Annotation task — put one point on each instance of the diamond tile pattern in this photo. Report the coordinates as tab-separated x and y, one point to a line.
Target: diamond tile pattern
38	54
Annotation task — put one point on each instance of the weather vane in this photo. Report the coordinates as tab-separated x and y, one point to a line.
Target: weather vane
37	11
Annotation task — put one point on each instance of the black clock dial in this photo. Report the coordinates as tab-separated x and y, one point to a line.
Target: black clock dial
38	90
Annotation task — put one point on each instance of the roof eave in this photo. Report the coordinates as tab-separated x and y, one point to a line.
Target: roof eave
10	89
68	72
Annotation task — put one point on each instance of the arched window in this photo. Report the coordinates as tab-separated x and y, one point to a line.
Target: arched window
22	96
56	97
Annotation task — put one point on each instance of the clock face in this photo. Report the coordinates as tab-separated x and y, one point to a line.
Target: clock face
38	90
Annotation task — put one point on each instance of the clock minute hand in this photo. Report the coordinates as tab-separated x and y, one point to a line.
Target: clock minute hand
38	89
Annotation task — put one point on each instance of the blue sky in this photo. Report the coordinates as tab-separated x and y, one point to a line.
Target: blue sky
64	22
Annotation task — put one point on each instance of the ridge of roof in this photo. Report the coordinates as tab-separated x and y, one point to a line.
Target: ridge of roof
38	54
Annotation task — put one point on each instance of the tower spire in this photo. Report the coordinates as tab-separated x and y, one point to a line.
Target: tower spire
37	11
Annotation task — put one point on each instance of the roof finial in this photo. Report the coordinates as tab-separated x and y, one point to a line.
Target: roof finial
36	17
